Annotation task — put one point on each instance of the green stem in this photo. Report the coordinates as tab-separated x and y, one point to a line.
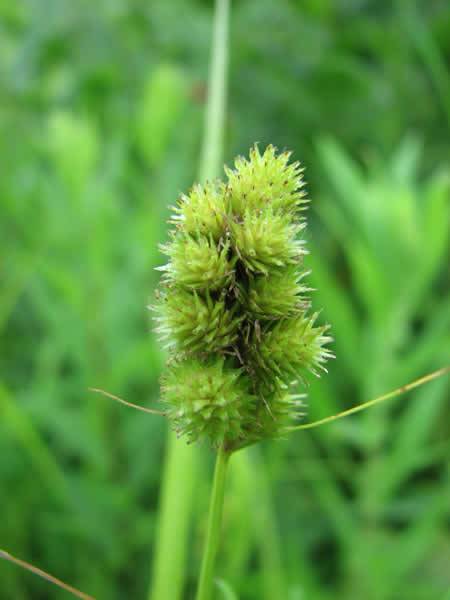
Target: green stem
179	479
214	523
173	521
397	392
212	149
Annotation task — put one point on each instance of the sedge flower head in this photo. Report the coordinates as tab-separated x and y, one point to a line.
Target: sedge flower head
233	307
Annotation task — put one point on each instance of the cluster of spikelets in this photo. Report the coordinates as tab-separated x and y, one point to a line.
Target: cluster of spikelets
232	308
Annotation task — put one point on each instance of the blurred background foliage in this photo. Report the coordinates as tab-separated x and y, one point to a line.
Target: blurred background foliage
100	127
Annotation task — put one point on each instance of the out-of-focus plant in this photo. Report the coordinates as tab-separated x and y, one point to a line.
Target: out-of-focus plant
158	112
379	265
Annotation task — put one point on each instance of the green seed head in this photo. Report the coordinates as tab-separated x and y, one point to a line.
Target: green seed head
265	181
280	295
198	263
264	239
208	398
202	212
233	308
192	323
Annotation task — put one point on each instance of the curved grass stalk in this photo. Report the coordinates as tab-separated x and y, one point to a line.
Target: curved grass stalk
150	411
393	394
44	575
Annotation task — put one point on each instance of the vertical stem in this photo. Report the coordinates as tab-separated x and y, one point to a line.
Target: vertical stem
180	469
212	149
173	520
214	524
210	165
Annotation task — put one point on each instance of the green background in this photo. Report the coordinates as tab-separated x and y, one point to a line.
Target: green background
101	117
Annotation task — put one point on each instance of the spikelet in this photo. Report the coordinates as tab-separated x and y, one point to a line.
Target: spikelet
208	398
264	239
198	263
277	295
233	305
192	323
266	181
202	211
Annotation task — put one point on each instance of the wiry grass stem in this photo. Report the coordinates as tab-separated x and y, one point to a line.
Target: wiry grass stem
394	393
44	575
214	523
150	411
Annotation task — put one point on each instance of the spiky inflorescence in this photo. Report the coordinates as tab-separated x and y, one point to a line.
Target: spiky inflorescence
233	310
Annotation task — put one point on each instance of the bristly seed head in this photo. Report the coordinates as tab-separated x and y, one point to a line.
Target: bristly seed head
233	309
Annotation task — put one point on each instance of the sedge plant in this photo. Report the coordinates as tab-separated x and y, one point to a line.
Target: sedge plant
234	312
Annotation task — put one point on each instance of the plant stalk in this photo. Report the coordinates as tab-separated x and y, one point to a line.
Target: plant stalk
359	407
180	473
174	517
214	524
212	148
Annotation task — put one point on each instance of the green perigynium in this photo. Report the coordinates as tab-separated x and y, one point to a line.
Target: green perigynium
199	263
209	397
197	322
233	307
